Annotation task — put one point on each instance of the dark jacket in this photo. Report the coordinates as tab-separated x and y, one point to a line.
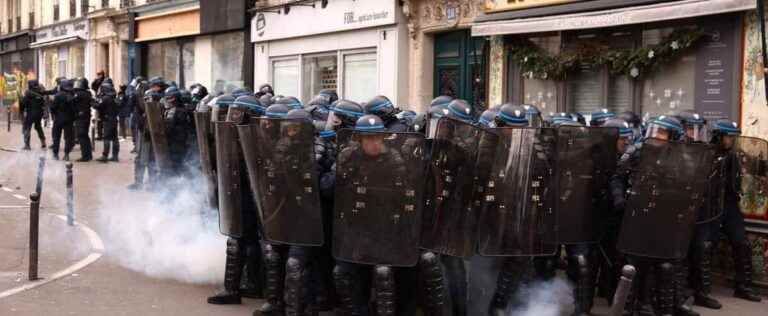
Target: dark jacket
96	84
32	105
63	108
83	101
108	109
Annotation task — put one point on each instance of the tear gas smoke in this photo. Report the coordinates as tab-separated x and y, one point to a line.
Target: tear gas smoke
552	298
164	234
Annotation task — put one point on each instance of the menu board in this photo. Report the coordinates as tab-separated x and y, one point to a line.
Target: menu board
715	68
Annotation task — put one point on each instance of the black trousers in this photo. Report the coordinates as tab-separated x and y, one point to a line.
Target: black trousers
29	122
83	127
68	129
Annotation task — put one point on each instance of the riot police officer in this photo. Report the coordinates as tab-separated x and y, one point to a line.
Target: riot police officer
724	136
108	112
600	117
177	129
32	109
64	115
83	100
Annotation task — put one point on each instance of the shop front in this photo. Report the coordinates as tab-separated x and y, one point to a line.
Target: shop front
185	44
650	57
358	48
17	65
445	58
62	51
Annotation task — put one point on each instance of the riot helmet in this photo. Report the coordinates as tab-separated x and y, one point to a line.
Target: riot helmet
158	82
80	84
600	117
665	128
533	115
370	123
329	95
419	123
442	100
299	114
559	117
343	115
251	103
66	85
511	115
380	106
435	113
266	89
266	100
626	134
107	90
221	106
486	118
239	92
33	85
172	94
277	111
724	133
290	102
694	126
460	109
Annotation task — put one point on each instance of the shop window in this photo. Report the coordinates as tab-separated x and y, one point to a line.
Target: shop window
56	10
51	62
63	54
360	76
319	72
542	93
72	8
77	60
285	77
163	60
227	61
188	64
16	61
672	89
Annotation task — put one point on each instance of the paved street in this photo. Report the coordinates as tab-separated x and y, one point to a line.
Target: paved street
160	281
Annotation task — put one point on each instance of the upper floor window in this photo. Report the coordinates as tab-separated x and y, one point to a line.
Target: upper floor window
72	8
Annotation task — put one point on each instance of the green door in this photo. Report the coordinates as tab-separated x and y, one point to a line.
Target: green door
460	67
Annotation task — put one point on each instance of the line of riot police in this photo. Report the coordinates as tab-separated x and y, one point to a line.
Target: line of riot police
370	210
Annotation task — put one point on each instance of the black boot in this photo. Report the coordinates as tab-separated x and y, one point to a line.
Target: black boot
682	295
103	159
384	283
701	270
275	267
233	273
584	291
348	289
253	273
434	290
507	284
665	289
296	287
743	261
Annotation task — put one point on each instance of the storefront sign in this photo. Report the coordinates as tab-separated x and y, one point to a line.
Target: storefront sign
340	15
509	5
62	31
715	66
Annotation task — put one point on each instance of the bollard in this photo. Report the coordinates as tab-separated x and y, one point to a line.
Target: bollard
8	111
34	226
622	291
70	196
40	172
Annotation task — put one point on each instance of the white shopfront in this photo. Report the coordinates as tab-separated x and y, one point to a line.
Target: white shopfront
358	47
62	51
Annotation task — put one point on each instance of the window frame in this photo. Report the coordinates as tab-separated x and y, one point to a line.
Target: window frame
299	61
336	54
342	67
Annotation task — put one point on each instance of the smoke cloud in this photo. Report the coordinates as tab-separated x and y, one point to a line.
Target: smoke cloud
551	298
164	234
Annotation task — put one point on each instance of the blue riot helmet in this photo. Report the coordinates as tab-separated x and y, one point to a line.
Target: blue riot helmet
664	127
299	114
461	110
290	102
533	115
277	111
344	114
442	100
511	115
250	104
694	126
266	100
172	94
239	92
329	95
370	123
488	116
221	107
433	116
380	106
600	117
419	123
723	133
626	133
559	117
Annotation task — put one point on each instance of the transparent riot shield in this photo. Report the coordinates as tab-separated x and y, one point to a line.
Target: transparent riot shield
229	170
378	196
668	186
280	157
158	135
519	216
206	147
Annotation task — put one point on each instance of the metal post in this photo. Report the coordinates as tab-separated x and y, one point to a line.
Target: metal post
40	172
34	226
8	111
70	196
622	291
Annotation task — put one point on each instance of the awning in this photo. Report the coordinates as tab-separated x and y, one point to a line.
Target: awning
55	42
623	16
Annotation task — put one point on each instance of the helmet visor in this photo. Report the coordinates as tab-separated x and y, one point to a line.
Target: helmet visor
696	133
658	132
432	126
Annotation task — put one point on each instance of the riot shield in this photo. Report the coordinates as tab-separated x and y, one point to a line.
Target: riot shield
228	178
668	186
280	157
753	160
586	158
378	194
450	218
158	135
519	217
206	146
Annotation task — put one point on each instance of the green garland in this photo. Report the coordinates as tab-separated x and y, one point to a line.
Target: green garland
536	63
